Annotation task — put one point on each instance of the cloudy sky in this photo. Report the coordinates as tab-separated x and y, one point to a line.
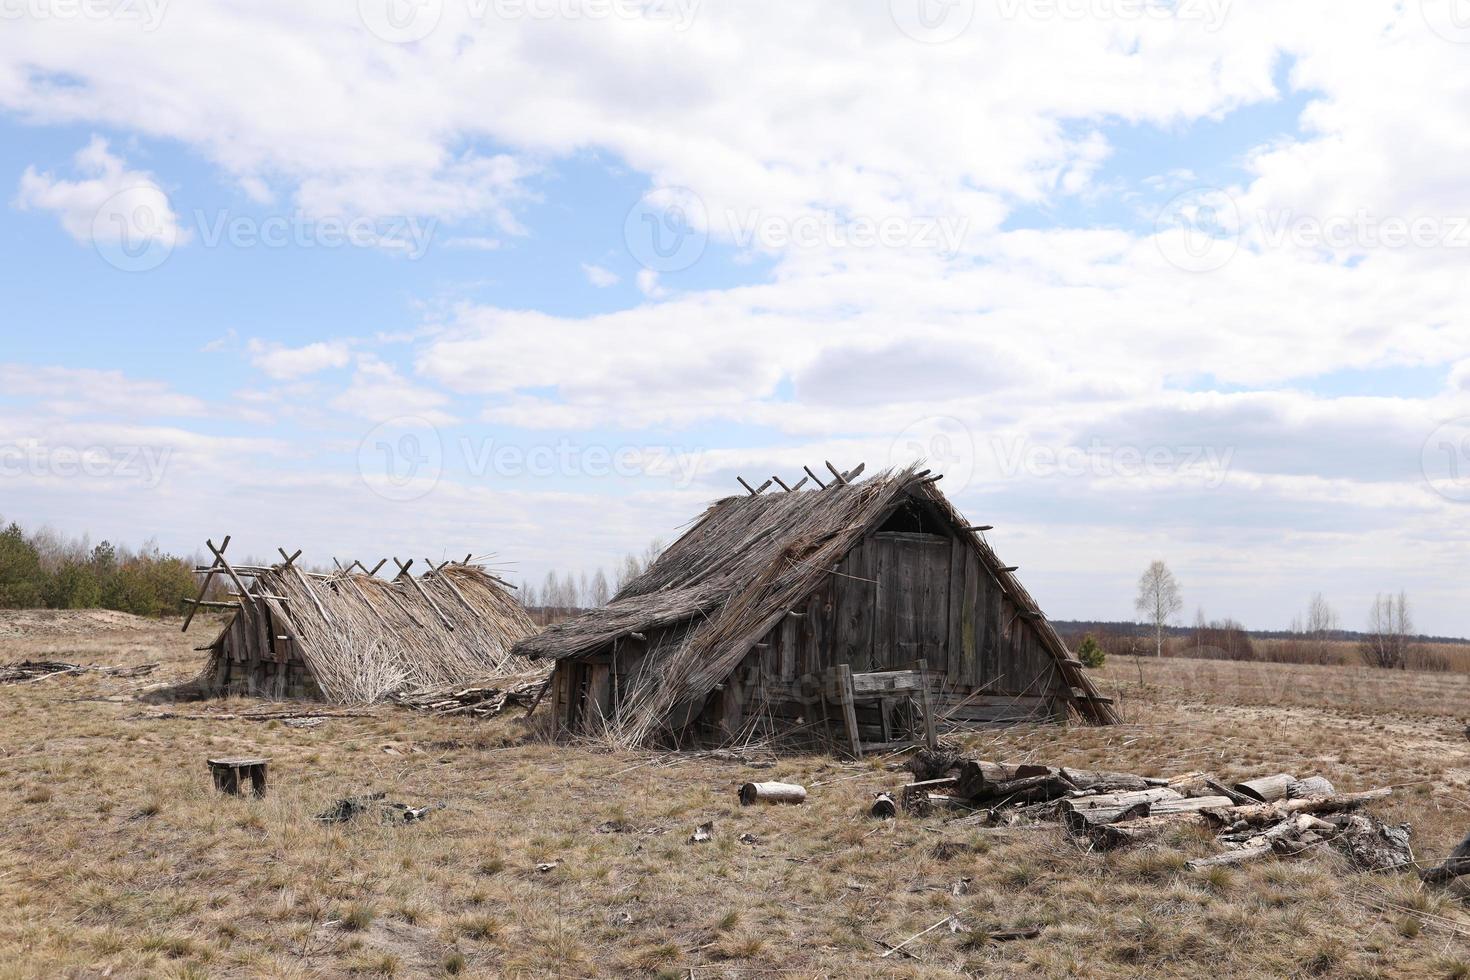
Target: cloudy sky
1144	279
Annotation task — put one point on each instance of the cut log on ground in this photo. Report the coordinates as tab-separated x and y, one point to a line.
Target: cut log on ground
1190	804
772	793
1097	781
1272	813
1231	857
1457	865
1311	786
975	776
1107	837
1093	811
1029	789
883	807
1267	789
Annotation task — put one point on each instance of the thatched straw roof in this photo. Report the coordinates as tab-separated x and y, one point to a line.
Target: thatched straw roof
735	573
365	637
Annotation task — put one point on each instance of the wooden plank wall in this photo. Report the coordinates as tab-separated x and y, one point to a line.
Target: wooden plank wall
256	664
895	598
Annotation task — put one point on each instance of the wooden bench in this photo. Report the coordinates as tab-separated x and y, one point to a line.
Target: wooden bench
231	775
887	687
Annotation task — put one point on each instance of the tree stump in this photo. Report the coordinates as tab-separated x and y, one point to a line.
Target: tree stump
233	775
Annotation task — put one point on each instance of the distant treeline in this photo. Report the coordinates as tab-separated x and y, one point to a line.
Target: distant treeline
1078	628
559	596
44	569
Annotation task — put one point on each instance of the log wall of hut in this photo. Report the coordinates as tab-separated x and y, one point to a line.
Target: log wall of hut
260	659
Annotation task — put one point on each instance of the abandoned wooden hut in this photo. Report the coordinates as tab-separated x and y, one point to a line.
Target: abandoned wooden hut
813	611
353	637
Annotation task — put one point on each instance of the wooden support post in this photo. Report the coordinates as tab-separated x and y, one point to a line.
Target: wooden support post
289	559
378	566
800	483
780	483
748	488
849	709
814	478
981	527
836	473
763	488
854	473
931	739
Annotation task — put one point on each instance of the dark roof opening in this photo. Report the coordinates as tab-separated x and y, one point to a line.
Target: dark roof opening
914	517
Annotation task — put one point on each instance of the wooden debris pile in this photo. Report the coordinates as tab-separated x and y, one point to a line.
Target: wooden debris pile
1275	815
350	808
483	700
25	671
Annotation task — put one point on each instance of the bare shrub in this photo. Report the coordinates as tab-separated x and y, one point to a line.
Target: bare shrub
1389	639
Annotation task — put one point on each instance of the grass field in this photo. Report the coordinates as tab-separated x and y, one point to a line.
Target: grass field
119	859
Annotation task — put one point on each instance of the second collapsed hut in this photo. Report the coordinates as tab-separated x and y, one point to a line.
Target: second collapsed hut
774	610
353	637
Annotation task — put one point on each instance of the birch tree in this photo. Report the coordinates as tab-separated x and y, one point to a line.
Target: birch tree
1158	601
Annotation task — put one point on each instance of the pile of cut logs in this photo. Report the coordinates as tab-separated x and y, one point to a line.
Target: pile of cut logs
1273	815
25	671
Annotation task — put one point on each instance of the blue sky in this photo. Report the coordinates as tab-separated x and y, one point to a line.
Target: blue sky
1047	251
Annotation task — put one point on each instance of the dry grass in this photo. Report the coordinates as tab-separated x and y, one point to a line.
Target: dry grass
125	860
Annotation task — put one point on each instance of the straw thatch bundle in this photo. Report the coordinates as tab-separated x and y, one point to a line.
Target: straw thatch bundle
364	638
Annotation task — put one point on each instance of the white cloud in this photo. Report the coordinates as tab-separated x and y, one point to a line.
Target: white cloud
378	392
648	284
288	363
84	392
600	277
108	205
